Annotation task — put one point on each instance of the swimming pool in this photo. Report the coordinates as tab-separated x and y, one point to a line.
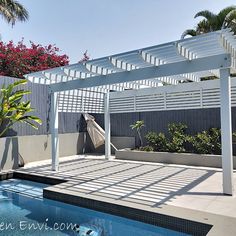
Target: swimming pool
23	211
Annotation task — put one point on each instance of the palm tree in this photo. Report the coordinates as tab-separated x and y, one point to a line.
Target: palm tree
138	125
13	11
226	18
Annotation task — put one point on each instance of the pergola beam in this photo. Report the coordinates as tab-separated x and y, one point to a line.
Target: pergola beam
181	67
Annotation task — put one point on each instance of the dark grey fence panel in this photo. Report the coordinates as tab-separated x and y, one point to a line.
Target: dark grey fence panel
120	123
68	122
196	119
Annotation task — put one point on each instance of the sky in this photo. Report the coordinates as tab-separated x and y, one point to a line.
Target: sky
106	27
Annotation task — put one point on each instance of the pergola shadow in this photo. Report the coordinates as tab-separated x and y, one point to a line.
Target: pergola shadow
139	183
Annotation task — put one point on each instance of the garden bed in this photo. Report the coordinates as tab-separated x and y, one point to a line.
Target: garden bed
191	159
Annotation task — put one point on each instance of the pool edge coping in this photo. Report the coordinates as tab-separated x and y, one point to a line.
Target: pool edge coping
220	224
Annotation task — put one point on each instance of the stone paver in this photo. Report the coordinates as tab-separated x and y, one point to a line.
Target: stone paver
148	184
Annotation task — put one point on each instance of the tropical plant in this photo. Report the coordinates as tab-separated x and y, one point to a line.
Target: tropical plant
13	11
226	18
13	109
138	126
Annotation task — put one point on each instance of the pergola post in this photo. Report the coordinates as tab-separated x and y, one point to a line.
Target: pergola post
54	131
107	122
226	131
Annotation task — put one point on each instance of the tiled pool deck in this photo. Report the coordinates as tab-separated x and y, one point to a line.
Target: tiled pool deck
192	193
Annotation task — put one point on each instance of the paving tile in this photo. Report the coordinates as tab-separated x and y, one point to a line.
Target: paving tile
142	183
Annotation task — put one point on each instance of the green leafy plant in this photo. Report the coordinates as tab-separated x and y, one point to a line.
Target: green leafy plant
13	11
201	142
147	148
212	22
175	143
215	134
138	125
13	109
207	142
177	137
157	141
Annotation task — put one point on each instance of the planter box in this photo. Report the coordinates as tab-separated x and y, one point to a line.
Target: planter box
118	142
190	159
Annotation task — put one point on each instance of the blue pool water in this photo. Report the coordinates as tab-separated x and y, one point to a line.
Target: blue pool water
23	211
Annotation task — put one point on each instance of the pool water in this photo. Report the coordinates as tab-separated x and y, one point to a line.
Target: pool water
23	211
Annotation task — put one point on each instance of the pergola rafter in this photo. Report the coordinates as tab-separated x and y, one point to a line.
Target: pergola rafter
74	88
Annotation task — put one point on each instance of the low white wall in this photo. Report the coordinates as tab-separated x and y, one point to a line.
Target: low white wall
190	159
8	153
37	148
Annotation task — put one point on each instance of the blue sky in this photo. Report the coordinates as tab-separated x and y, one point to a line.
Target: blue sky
105	27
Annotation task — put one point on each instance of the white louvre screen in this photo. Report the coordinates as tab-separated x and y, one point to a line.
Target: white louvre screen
81	101
184	96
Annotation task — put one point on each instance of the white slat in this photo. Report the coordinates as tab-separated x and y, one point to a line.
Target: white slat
204	94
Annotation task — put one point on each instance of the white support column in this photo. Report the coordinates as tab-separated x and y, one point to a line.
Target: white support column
107	127
226	131
54	131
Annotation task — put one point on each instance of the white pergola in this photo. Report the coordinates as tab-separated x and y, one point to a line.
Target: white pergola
136	78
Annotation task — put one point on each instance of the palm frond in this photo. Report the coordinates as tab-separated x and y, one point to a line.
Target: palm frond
12	10
208	15
204	26
224	12
6	14
230	21
189	32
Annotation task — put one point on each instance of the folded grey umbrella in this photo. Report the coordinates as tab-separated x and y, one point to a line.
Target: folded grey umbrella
96	133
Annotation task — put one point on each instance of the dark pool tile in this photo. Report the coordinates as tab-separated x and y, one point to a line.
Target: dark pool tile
170	222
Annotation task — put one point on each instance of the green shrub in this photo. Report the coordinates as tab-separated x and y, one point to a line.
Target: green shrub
146	148
201	142
207	142
215	134
177	138
157	141
175	142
